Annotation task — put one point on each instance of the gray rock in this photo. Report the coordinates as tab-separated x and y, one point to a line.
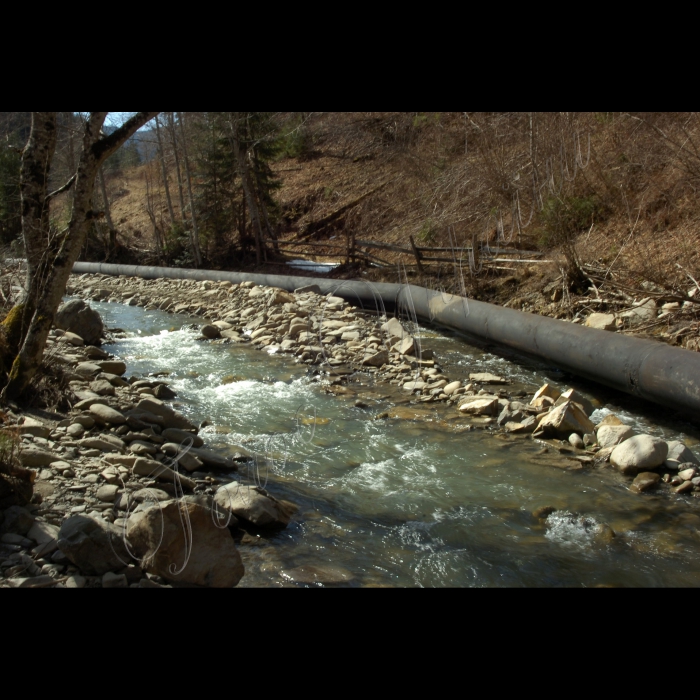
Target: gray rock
151	496
640	453
377	360
112	580
104	443
480	407
113	367
211	332
76	582
141	449
645	482
180	437
18	521
253	505
35	428
311	289
644	312
104	415
157	536
103	388
75	431
164	392
35	458
187	460
576	441
486	378
37	582
320	575
94	546
107	494
88	369
171	419
77	317
155	470
613	435
564	420
43	533
679	454
212	459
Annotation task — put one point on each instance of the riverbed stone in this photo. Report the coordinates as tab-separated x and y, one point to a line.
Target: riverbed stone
319	575
564	420
377	360
576	441
170	417
141	448
116	367
18	521
102	387
548	391
640	453
394	329
104	443
212	459
157	536
487	378
253	505
105	415
187	460
645	481
77	317
107	494
95	546
88	369
181	437
211	332
573	395
35	428
155	470
613	435
34	458
679	454
481	407
450	389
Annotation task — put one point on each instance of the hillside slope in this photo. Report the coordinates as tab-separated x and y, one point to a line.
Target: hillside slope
609	193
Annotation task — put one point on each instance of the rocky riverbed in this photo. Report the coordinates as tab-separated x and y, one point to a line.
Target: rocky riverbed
104	475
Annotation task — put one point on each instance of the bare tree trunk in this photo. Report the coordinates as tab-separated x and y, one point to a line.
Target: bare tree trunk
52	274
161	155
193	213
248	189
178	171
108	214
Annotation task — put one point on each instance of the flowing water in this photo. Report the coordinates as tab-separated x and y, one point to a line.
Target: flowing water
417	500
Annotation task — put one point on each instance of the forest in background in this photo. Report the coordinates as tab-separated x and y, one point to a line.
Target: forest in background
245	190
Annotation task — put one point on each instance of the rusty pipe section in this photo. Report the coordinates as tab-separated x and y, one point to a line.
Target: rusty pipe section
644	368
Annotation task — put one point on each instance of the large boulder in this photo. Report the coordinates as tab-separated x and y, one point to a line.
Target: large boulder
77	317
639	454
209	560
96	547
253	505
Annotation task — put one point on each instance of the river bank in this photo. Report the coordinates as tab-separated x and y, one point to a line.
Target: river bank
340	360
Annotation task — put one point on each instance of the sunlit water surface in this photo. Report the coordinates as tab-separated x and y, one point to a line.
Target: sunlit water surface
413	502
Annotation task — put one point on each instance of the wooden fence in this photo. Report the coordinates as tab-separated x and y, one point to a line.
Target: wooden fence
354	250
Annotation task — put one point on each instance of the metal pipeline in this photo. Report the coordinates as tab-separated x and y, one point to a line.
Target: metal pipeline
644	368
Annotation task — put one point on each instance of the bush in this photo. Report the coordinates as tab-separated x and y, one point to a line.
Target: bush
562	220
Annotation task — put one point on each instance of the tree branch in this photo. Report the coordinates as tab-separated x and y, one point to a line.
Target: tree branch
63	189
108	145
